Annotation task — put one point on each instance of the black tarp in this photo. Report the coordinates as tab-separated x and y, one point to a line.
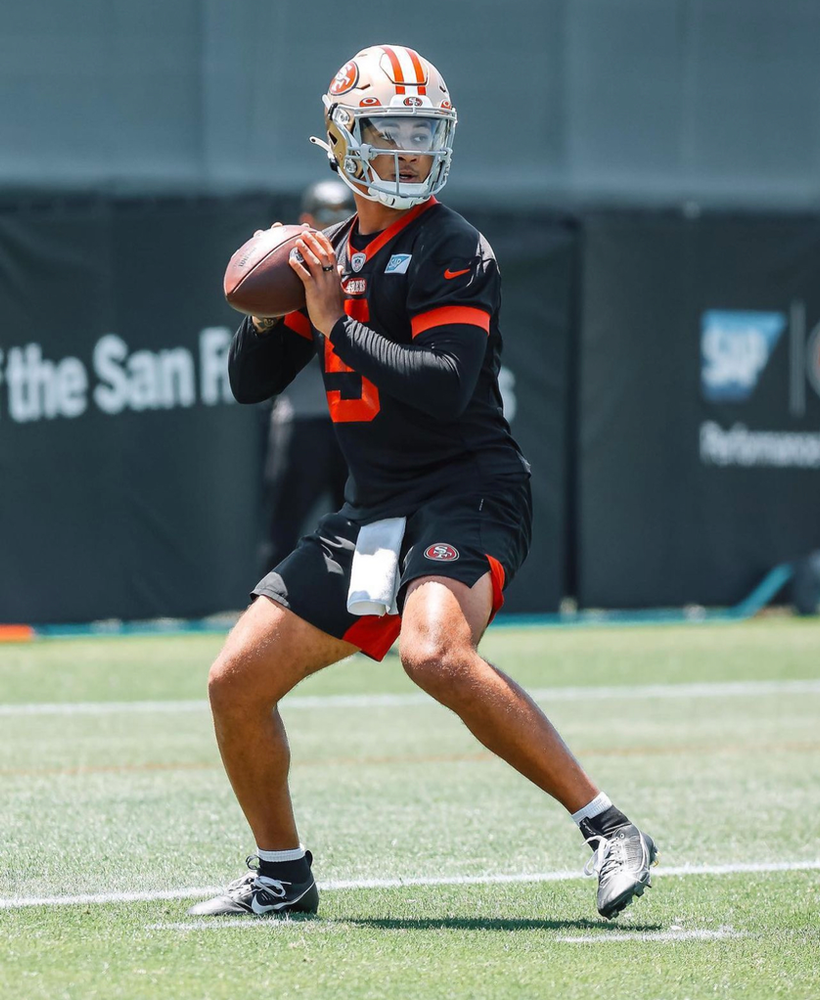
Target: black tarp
126	470
129	479
537	255
699	405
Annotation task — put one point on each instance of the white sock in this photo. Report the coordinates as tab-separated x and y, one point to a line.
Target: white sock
294	854
600	803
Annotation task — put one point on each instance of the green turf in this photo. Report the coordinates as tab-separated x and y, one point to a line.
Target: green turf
479	942
138	802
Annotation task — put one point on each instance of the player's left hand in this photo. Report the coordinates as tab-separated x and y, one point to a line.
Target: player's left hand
320	276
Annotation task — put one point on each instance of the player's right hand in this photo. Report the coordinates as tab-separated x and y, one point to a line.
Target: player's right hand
259	232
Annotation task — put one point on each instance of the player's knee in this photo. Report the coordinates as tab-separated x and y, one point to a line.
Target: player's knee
438	667
232	686
222	684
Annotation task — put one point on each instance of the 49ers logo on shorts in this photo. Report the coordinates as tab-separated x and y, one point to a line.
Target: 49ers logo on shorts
441	552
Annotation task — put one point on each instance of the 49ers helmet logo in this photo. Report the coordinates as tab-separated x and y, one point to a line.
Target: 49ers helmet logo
345	79
441	552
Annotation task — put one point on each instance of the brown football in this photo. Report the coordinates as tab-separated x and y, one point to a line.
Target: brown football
259	281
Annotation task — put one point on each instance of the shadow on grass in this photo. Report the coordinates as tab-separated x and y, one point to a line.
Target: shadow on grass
492	924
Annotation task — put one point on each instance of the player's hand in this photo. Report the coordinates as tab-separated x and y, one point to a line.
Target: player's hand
320	276
259	232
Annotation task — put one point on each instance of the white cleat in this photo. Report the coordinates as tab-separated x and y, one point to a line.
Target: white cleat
621	862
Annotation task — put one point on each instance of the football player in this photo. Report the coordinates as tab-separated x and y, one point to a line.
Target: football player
402	305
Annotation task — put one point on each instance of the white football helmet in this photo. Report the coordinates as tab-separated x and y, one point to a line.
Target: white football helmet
389	102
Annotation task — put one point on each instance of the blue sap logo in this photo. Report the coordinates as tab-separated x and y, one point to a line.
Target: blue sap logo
735	347
398	263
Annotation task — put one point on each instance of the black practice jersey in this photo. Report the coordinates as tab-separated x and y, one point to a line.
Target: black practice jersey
411	371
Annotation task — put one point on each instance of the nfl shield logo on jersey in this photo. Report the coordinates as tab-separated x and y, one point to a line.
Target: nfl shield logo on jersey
441	552
357	261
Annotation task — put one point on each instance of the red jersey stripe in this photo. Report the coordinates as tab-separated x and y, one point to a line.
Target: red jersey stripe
447	315
300	324
392	230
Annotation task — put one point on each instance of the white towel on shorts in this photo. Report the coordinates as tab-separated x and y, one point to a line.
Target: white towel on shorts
374	575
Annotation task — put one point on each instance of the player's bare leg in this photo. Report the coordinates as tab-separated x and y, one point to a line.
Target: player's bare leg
442	623
268	652
266	655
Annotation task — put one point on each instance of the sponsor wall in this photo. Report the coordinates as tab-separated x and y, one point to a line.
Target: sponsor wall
537	253
674	437
122	455
699	415
129	476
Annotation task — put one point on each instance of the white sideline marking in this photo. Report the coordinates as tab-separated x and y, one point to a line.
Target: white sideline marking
706	689
209	924
606	936
398	883
675	934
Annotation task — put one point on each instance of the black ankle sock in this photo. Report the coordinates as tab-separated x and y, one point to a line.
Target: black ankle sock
604	823
286	871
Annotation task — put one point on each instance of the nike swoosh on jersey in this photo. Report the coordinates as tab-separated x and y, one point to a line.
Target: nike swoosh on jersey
448	274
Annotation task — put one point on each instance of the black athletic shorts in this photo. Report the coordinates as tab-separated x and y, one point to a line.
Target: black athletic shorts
459	537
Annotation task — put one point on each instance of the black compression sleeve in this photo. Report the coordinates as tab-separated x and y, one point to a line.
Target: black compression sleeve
437	377
263	366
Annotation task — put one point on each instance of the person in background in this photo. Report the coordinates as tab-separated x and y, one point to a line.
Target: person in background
303	473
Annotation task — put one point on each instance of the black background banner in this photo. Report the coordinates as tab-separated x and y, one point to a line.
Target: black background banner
537	257
698	423
674	435
128	474
130	478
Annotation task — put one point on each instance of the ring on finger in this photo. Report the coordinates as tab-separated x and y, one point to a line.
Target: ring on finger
327	267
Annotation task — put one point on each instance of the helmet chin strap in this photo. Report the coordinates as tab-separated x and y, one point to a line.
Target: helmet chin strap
382	197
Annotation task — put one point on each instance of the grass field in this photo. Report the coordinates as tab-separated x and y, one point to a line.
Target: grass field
116	815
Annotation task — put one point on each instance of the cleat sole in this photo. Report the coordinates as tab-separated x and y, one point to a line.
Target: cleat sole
621	904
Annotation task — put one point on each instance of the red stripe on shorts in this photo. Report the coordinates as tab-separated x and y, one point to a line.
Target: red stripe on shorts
374	635
498	577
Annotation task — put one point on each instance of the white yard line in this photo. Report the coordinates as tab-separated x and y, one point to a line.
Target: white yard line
209	924
707	689
605	936
397	883
674	934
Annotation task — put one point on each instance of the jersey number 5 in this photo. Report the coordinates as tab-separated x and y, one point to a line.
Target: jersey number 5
367	405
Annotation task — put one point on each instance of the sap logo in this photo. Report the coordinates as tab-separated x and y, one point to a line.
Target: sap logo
398	263
735	347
